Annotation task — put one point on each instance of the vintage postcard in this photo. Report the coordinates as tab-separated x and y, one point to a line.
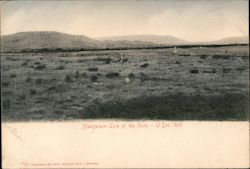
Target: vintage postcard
125	84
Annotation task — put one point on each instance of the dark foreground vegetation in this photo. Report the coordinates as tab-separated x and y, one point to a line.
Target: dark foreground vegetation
228	107
175	107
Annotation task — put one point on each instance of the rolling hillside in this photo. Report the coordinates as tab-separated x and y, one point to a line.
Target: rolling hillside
233	40
55	40
51	40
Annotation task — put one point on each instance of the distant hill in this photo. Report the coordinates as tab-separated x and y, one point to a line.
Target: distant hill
128	44
51	40
233	40
156	39
35	41
56	40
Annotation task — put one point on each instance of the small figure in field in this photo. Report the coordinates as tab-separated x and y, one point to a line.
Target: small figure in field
175	50
121	58
127	80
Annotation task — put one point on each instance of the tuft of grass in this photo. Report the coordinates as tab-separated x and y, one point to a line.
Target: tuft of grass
226	57
241	69
40	66
51	88
105	60
59	112
203	56
185	54
60	67
37	110
111	86
37	63
77	74
81	60
41	100
12	59
131	75
93	78
216	56
144	65
13	75
221	57
24	63
28	79
5	83
68	78
22	97
33	91
112	75
84	75
124	60
244	57
6	104
226	70
209	71
38	81
7	93
93	69
194	71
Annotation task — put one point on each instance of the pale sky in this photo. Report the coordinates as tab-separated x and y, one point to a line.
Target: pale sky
189	20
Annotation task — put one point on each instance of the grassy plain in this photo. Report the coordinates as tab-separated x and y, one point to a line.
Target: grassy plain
192	84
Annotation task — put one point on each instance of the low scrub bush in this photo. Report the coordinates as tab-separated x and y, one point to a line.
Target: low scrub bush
112	75
93	69
68	78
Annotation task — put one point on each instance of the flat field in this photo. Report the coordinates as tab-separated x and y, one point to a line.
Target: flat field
190	84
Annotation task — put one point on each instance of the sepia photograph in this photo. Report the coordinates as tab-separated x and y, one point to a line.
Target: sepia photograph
170	60
125	84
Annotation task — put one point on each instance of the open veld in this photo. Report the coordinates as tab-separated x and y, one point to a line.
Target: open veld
202	83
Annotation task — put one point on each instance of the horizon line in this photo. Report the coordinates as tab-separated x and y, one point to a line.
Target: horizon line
97	38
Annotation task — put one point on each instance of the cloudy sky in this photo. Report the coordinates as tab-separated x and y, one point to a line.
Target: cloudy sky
190	20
